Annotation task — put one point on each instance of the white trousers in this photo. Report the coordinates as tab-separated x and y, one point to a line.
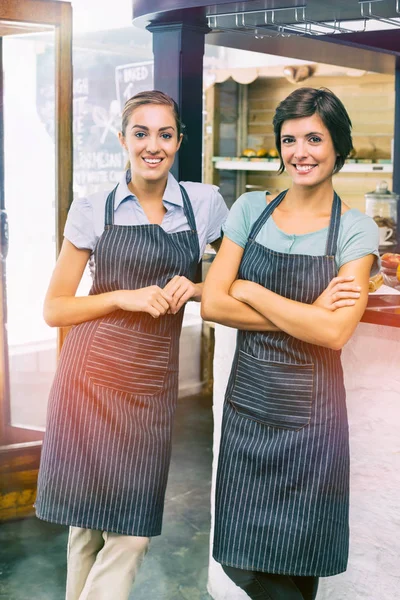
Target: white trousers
102	565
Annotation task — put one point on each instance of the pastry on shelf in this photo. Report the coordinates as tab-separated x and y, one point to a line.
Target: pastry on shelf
249	153
375	282
262	153
391	269
390	260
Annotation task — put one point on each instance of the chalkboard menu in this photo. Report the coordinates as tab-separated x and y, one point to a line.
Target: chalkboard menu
102	83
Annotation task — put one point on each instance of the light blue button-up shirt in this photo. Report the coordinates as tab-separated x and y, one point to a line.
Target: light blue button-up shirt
85	221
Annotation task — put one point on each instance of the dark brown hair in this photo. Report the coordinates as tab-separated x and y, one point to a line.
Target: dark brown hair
305	102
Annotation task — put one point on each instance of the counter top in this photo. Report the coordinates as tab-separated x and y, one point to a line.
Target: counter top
383	309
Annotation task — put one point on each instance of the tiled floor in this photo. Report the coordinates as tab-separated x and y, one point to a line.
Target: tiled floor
32	553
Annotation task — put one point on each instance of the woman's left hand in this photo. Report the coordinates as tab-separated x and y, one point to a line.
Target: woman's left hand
182	289
341	291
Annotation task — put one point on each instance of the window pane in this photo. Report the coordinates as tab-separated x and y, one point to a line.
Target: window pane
29	160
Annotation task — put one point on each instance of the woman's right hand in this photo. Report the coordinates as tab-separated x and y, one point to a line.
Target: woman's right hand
152	300
342	291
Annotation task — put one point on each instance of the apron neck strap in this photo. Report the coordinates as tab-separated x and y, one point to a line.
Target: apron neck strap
334	226
109	211
265	215
187	208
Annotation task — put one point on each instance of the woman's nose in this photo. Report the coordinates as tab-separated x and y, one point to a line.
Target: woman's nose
300	150
152	145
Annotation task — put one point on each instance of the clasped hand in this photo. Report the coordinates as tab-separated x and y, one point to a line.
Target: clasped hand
159	301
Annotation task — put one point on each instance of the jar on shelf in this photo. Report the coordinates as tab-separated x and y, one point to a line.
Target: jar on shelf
381	205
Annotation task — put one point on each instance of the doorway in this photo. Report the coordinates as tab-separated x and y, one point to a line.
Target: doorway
35	193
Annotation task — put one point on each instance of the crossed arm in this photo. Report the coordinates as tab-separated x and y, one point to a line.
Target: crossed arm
329	322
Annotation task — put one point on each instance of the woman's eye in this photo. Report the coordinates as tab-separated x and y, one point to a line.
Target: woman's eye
287	140
140	134
166	136
315	139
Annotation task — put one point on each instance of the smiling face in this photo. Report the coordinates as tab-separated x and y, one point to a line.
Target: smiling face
151	140
307	151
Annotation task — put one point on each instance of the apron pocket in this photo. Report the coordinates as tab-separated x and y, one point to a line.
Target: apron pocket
276	394
128	361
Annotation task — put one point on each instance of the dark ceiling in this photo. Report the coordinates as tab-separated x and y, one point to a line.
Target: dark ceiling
273	25
316	10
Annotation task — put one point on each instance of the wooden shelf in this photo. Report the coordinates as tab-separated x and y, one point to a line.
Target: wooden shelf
231	164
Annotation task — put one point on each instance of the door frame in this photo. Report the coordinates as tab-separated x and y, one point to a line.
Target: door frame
20	448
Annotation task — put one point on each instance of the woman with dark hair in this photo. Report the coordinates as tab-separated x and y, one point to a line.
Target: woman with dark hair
107	447
292	276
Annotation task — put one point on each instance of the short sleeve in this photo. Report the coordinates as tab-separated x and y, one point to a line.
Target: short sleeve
217	215
361	239
238	224
79	228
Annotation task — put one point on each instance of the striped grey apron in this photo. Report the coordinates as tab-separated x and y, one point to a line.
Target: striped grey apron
283	472
107	446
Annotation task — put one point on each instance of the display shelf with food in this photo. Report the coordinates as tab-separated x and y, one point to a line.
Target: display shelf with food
383	306
254	162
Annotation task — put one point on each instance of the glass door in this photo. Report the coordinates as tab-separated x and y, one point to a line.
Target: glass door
35	192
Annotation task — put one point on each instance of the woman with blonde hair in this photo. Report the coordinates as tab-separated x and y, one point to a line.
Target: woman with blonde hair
107	446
